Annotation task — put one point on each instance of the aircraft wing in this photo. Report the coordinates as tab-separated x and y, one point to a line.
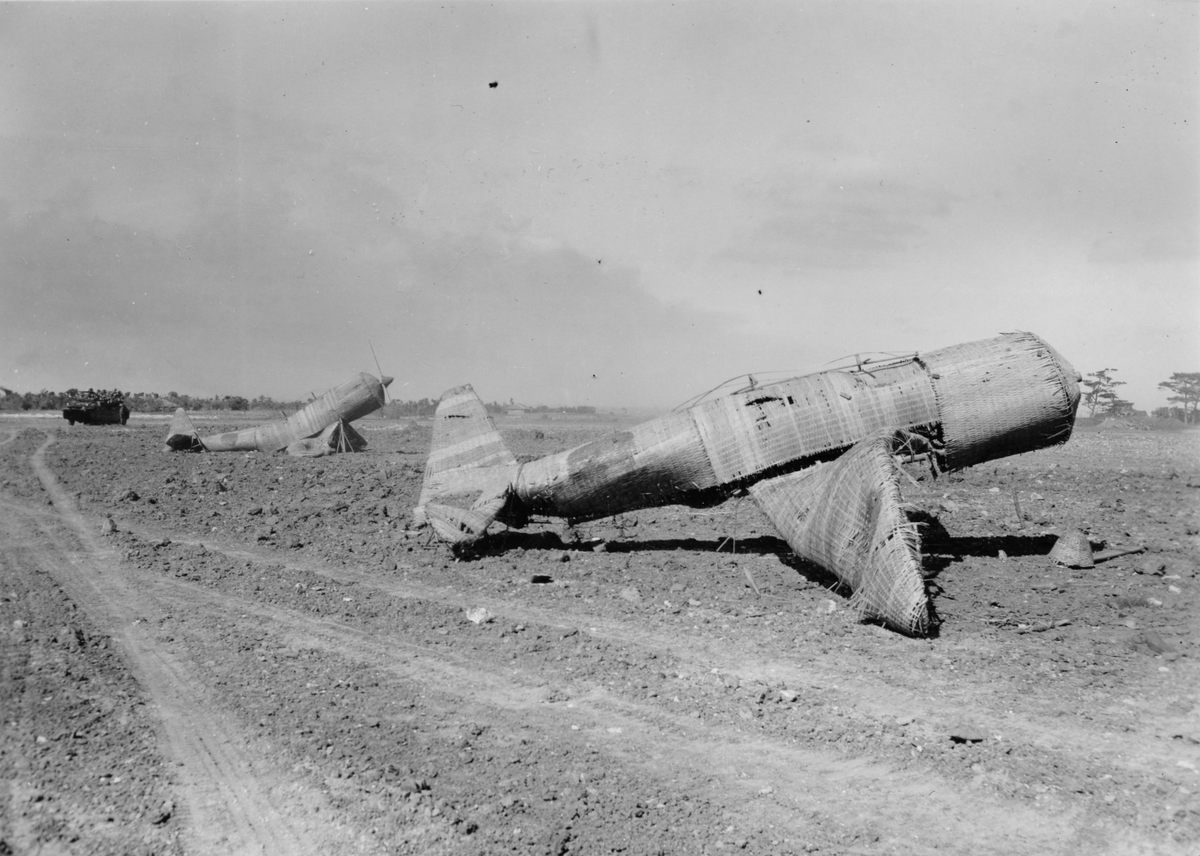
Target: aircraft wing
846	516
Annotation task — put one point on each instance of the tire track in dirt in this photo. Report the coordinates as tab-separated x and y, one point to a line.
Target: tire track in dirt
1081	682
19	834
780	785
227	790
872	698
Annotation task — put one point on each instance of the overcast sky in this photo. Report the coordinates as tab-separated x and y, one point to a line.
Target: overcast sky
589	203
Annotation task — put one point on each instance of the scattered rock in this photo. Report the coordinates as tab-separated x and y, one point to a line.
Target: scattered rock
163	814
963	733
1149	640
413	786
1151	566
480	615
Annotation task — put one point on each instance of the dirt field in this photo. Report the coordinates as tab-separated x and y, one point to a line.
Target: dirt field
247	653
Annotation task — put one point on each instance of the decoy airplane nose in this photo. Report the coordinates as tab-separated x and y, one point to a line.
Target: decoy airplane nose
385	380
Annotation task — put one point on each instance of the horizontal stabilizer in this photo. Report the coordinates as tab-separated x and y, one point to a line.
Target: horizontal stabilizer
181	435
338	437
470	470
462	527
342	437
846	516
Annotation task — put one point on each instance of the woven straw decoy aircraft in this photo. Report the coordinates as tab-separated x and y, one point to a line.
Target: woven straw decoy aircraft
322	426
818	454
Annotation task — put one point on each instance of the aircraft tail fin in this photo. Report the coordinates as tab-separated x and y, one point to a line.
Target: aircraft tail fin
469	472
182	435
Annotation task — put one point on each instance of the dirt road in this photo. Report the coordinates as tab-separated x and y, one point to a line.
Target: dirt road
246	653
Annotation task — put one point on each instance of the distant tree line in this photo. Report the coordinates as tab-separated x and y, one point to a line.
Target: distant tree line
425	407
153	402
141	402
578	410
1186	386
420	407
1099	396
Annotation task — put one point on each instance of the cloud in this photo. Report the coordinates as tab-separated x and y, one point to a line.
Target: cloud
1174	242
837	217
523	319
252	295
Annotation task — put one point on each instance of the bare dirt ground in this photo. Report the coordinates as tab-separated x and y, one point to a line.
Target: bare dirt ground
247	653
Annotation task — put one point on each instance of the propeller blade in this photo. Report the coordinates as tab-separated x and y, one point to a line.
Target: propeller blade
384	379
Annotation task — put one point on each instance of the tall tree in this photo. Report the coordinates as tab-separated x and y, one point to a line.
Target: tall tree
1100	391
1186	386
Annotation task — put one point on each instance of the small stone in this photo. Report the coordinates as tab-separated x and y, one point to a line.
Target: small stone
410	786
480	615
164	813
967	734
1153	642
1151	566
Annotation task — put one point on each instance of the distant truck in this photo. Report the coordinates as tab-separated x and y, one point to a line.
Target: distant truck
96	408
